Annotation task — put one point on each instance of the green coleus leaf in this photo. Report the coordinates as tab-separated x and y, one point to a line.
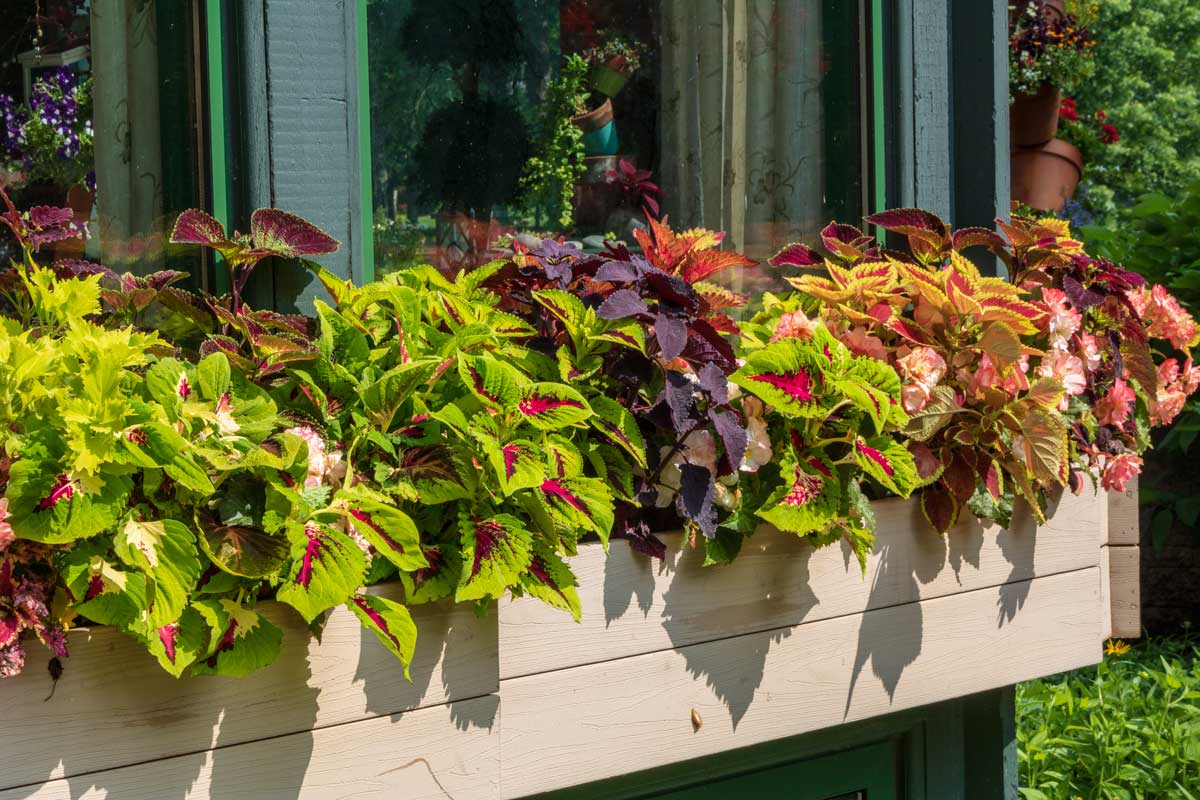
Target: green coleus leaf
620	426
788	375
390	622
550	406
374	517
888	462
213	376
383	397
579	503
496	551
49	506
438	580
246	551
339	341
165	551
102	591
809	498
566	308
157	445
169	382
518	463
562	457
874	388
177	644
240	640
550	580
495	383
327	567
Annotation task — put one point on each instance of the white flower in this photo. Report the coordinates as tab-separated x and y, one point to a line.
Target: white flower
758	440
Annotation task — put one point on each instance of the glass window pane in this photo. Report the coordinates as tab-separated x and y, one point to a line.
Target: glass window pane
738	115
99	100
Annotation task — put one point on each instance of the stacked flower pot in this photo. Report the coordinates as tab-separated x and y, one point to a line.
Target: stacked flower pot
1045	169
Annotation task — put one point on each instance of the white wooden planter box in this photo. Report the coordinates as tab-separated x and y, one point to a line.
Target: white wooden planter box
785	641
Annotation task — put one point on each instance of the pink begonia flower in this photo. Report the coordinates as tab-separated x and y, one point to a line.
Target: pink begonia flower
923	368
1189	377
316	454
699	448
1064	320
1090	350
1119	471
6	532
758	440
985	376
794	325
862	343
1114	407
1166	318
1067	369
1166	406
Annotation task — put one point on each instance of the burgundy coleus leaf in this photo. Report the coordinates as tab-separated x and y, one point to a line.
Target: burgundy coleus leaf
939	507
621	304
278	233
844	241
907	221
695	499
327	567
959	478
1081	298
796	255
977	237
671	334
495	552
390	622
196	227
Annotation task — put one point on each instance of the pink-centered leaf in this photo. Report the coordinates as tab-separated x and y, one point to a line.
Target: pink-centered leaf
282	234
876	456
797	385
63	489
197	227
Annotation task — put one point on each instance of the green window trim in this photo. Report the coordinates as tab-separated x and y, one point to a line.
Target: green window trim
218	144
364	144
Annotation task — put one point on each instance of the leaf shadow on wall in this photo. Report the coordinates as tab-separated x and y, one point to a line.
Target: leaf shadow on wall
760	588
1016	586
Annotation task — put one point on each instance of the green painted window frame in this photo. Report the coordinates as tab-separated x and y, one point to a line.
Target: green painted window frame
216	102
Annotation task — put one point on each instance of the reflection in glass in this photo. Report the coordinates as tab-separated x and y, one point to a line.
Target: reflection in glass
517	119
98	100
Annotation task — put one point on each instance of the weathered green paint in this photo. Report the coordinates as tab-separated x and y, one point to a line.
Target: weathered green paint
878	129
367	218
990	728
218	140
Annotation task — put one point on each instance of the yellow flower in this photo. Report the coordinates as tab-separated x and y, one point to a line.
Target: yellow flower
1115	647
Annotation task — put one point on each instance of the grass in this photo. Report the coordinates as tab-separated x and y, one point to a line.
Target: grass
1126	729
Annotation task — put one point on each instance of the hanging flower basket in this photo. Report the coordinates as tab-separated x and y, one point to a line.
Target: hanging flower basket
1033	119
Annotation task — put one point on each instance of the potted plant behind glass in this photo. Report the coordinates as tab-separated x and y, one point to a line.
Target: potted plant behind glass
1049	51
46	148
612	62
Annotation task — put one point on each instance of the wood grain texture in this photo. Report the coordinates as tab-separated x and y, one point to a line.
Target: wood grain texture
111	684
633	605
1124	591
592	722
438	752
1123	523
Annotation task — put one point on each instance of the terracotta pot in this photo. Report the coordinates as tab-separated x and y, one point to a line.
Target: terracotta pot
1051	9
1033	118
1045	177
80	199
599	131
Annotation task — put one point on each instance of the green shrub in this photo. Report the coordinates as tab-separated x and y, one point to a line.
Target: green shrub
1148	81
1126	728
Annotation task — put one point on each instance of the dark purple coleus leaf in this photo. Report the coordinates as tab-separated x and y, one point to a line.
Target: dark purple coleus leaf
713	381
1081	298
621	304
641	539
697	488
671	289
671	334
729	428
624	271
706	344
680	396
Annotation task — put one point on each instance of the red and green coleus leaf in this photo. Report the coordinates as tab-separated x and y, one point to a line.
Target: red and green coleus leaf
390	622
327	567
517	463
549	406
177	644
809	496
787	375
496	384
100	589
1045	446
495	552
244	550
383	397
240	640
47	505
272	233
155	445
888	462
390	531
874	388
619	425
436	581
550	580
165	551
581	503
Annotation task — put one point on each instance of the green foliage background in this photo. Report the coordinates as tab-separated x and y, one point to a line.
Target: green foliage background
1148	80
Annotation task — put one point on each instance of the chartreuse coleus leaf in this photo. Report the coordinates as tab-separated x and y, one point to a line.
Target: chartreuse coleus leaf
788	375
157	445
391	623
618	424
809	497
874	388
47	505
165	551
549	406
550	580
383	397
579	503
495	383
496	551
436	581
101	590
517	463
177	644
888	462
563	458
327	566
374	517
240	640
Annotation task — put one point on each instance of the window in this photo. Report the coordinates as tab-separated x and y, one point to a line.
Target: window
99	101
739	115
